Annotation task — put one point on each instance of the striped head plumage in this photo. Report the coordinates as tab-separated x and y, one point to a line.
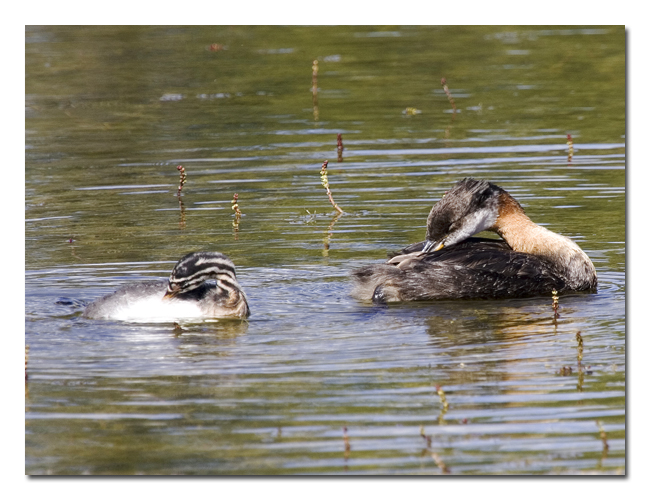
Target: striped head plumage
194	269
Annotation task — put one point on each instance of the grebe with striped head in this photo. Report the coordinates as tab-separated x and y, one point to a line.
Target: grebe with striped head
201	285
529	261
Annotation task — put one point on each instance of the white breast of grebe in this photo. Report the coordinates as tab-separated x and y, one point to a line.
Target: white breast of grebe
154	309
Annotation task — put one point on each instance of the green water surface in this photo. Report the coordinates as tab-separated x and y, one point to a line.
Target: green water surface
315	382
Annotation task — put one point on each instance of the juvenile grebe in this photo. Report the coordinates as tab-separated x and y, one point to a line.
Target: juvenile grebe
449	264
187	293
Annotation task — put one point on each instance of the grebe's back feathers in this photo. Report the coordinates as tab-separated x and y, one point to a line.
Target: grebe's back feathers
477	268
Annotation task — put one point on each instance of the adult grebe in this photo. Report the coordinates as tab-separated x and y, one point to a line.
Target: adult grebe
186	295
449	264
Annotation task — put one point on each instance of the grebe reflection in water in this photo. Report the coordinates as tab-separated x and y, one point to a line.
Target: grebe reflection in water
529	261
201	285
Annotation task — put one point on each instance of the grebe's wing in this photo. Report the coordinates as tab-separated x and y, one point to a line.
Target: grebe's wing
487	269
479	270
405	259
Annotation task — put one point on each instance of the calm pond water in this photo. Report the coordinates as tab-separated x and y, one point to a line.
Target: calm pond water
316	382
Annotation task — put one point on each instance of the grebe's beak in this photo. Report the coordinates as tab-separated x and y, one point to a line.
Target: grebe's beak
432	246
169	294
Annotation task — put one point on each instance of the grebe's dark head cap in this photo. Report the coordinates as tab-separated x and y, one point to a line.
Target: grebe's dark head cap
470	207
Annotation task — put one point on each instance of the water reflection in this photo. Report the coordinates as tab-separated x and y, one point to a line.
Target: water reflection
216	339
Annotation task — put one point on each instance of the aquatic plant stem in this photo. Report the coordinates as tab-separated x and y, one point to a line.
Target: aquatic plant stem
446	89
339	147
183	178
324	181
235	207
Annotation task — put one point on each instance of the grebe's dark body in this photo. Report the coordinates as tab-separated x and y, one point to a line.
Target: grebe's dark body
450	264
201	285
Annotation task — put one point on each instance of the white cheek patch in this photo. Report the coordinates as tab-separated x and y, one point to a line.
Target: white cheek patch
472	224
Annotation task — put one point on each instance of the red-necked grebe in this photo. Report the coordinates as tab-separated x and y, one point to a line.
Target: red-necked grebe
450	264
201	285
